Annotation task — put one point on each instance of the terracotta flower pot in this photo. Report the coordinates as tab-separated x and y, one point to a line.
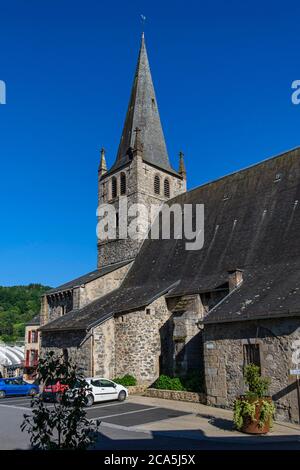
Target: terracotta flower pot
251	426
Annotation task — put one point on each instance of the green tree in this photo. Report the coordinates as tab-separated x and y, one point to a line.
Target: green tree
64	426
18	305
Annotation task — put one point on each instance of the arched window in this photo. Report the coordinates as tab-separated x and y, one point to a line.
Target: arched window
123	184
167	188
157	184
114	187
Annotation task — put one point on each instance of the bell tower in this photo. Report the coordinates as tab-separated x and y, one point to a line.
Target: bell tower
142	173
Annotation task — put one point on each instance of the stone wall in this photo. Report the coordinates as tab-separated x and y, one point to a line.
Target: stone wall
77	343
139	189
57	304
102	286
224	361
138	342
104	350
176	395
187	338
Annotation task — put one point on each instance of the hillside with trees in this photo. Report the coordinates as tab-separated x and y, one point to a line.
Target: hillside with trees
18	305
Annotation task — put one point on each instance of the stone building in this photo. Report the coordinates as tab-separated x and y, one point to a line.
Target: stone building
155	307
32	346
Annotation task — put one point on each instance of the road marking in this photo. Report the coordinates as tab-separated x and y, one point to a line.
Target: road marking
15	401
106	406
126	413
16	398
16	407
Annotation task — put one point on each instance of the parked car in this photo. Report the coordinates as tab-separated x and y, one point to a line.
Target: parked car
99	389
54	390
103	390
17	386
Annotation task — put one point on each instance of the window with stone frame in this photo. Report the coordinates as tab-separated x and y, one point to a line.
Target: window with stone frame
167	188
123	184
114	187
157	184
251	354
34	336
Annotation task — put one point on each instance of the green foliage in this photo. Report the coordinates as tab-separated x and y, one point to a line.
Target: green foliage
63	426
18	305
193	382
245	408
258	389
190	383
258	386
267	411
165	382
127	380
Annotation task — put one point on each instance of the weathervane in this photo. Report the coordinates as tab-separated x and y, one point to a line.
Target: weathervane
143	20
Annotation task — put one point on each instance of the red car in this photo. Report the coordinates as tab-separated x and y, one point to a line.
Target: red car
54	390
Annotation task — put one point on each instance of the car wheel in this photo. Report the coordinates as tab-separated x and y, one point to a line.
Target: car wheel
89	401
122	395
32	392
2	394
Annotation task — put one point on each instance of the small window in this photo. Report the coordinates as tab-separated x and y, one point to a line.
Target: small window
148	311
157	184
114	187
117	220
251	354
123	184
167	188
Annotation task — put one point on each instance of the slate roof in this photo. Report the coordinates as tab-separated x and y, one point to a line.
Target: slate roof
252	222
79	281
143	113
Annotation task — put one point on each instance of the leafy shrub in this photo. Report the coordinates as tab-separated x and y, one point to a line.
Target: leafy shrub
65	425
164	382
193	382
127	380
246	407
258	386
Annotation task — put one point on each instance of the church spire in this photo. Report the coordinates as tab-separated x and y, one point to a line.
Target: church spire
143	114
102	165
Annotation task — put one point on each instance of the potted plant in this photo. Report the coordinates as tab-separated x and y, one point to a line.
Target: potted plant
254	411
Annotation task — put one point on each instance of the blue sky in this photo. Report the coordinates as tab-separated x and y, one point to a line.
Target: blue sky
222	73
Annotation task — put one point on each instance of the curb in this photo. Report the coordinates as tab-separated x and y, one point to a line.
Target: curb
247	439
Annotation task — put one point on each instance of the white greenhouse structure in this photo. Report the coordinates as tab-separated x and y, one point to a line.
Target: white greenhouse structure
11	360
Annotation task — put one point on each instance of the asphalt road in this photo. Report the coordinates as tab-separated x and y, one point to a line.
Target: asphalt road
116	430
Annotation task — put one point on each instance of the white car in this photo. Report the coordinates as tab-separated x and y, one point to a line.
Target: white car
104	389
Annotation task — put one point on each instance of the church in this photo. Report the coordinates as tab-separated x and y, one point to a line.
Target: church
152	307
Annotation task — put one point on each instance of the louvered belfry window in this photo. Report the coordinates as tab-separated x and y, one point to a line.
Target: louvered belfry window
167	188
114	187
123	183
156	184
